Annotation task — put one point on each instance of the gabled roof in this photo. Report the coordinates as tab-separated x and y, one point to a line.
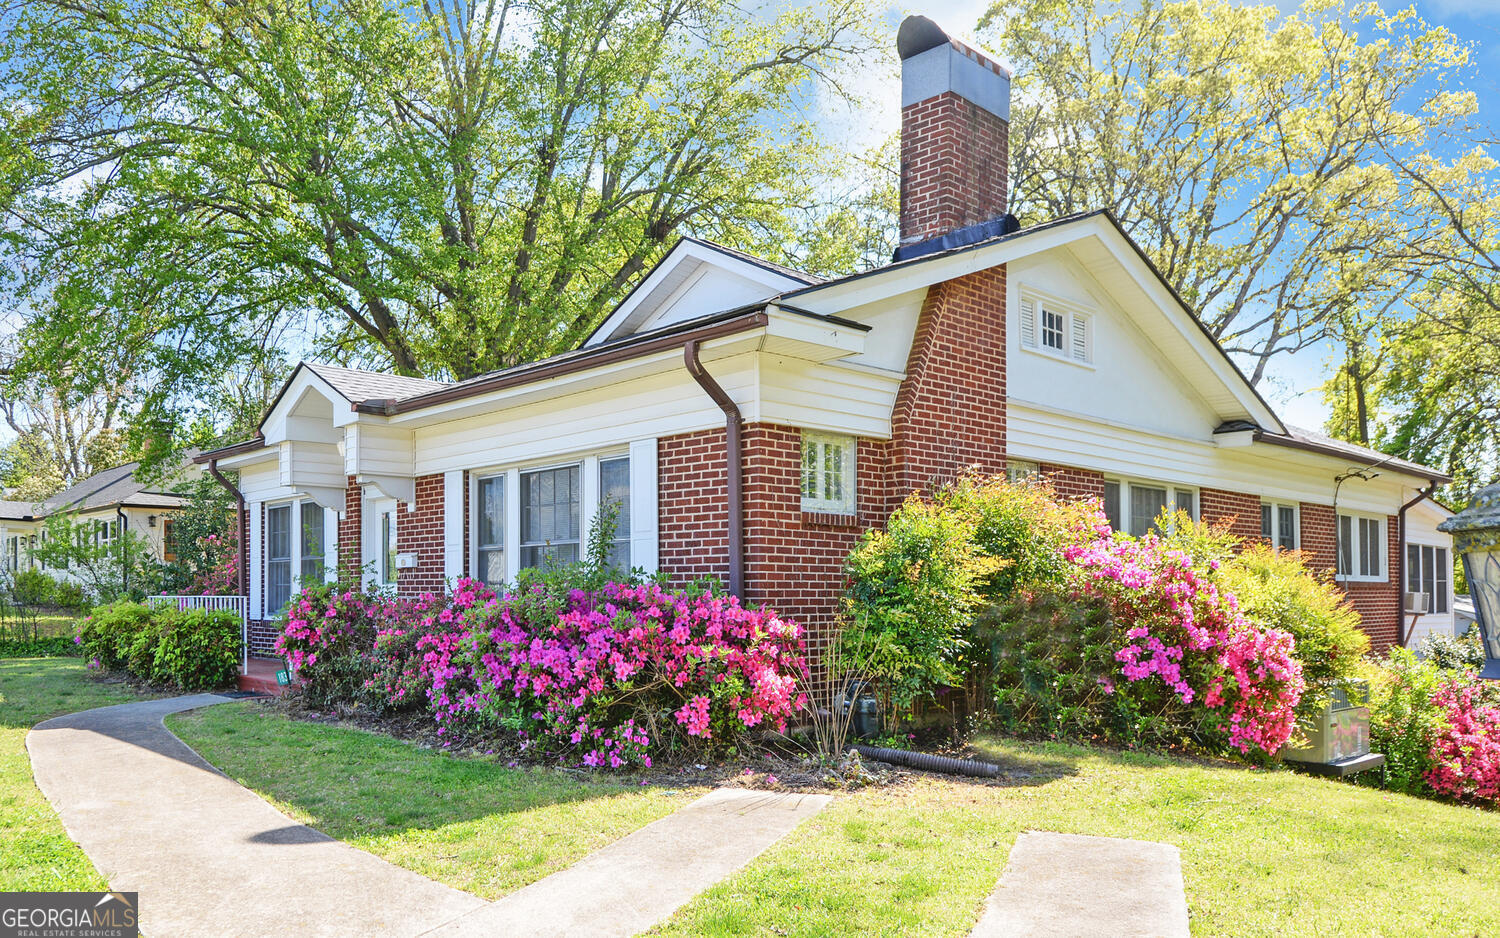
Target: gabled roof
116	487
17	511
356	385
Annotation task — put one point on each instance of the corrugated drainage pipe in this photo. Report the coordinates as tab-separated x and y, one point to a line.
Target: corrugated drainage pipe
929	762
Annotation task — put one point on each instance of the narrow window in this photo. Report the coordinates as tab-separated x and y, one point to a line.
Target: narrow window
388	543
1413	569
1444	574
1370	548
1429	579
1346	546
1187	501
550	502
1266	530
312	543
278	557
828	473
1112	506
1017	470
1286	527
614	489
491	530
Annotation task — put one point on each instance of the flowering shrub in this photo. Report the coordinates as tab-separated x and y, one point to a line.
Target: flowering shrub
593	677
221	575
1180	633
1466	749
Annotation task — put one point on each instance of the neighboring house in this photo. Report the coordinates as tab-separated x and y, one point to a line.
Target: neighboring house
751	421
112	501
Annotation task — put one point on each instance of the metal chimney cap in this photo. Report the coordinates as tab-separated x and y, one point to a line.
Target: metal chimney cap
918	34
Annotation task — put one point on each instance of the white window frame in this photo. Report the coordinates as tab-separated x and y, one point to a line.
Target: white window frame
1078	327
1017	470
1273	537
1172	490
849	476
640	554
330	532
1355	538
1442	576
477	505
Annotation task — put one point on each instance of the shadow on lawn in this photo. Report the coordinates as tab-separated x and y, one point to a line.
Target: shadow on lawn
351	782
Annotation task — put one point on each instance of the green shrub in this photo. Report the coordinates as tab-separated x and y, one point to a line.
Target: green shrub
54	646
912	592
1022	526
109	632
1404	719
67	594
1278	590
140	654
1454	654
197	649
32	587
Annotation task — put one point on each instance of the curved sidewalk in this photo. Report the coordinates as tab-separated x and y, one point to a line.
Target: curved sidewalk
209	857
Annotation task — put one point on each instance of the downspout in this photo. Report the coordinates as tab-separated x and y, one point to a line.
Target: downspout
124	549
732	453
241	537
1403	634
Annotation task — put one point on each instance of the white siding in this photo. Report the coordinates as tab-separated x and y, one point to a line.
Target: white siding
453	524
643	505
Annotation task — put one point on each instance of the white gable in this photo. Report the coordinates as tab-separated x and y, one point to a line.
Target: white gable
1108	367
695	279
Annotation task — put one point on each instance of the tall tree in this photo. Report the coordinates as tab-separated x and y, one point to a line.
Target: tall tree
1248	152
443	187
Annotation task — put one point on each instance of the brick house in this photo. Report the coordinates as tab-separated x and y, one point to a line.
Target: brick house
751	421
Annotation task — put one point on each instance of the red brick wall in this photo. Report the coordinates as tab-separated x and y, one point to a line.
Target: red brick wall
1240	511
950	411
954	164
692	506
351	530
1378	604
420	531
1074	483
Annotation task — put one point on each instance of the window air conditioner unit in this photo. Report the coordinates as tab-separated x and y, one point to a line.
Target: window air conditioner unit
1414	604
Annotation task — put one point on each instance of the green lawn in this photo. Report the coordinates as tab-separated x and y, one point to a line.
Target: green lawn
473	824
1264	853
35	852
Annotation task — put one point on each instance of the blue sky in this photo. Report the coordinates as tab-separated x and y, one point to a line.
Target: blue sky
1293	381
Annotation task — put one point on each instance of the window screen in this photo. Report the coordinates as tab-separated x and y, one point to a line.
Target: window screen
278	557
491	530
549	516
1146	503
614	489
312	543
1112	506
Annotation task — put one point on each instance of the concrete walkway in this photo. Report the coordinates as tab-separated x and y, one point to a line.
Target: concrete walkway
1069	886
209	857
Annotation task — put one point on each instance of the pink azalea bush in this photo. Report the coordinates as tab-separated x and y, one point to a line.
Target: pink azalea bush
597	677
1465	751
222	576
1177	631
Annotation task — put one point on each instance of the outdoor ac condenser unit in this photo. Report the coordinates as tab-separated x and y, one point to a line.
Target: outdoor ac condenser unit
1414	604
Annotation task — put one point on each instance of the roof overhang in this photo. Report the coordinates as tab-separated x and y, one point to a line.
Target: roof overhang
1390	464
1097	240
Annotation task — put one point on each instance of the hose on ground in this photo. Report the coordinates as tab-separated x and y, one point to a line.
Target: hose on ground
929	762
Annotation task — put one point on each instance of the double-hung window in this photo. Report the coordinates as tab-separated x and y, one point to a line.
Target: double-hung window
1057	328
828	473
1428	571
490	542
614	490
1133	507
311	521
1278	525
1361	554
278	557
551	515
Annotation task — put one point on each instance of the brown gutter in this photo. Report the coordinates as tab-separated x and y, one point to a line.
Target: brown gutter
1405	466
732	455
543	370
1404	635
241	535
224	452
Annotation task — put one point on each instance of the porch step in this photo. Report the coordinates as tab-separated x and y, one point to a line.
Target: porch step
260	676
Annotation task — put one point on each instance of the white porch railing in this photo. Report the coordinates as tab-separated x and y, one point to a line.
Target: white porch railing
239	605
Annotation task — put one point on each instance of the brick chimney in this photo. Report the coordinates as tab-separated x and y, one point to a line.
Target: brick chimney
955	147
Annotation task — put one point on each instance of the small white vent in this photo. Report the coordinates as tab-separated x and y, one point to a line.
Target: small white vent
1028	323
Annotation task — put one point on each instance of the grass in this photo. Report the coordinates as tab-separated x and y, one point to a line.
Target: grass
1263	853
35	852
473	824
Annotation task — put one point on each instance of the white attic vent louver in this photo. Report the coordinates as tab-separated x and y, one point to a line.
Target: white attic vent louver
1080	338
1028	323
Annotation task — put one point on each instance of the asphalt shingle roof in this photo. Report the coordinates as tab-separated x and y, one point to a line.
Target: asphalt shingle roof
356	385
